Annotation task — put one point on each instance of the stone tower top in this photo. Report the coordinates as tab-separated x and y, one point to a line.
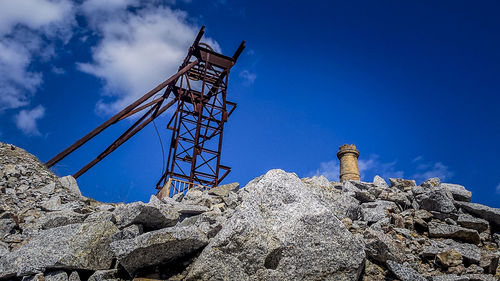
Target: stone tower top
348	156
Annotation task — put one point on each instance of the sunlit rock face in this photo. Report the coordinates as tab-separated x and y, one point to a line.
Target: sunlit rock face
277	227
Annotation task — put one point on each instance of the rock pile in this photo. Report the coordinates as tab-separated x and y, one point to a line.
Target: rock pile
278	227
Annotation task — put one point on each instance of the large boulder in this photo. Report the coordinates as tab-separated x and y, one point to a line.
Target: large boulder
153	215
157	247
488	213
433	199
470	252
280	232
81	246
458	192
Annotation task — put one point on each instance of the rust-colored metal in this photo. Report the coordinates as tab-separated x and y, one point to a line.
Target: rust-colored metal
199	90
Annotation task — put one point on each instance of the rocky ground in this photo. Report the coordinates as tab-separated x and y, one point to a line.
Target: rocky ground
278	227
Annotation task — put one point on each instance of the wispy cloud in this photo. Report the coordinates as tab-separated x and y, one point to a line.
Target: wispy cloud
248	77
329	170
371	166
26	120
137	49
427	170
498	189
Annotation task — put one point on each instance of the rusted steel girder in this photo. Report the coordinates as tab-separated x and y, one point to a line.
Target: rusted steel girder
199	90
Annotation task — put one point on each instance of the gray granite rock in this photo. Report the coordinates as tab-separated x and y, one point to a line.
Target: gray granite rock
440	230
69	183
102	275
58	275
74	276
488	213
402	184
449	277
431	183
471	253
375	211
153	215
75	246
434	199
6	226
459	192
280	232
481	277
380	182
224	190
60	218
471	222
157	247
128	232
404	272
381	247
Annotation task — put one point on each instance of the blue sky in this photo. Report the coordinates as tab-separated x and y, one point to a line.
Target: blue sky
414	84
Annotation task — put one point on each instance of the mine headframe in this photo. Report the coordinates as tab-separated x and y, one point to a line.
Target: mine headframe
198	90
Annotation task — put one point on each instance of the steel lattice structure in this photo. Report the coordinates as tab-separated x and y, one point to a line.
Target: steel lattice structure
198	90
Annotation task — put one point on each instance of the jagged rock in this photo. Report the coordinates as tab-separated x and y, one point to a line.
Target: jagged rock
381	247
318	181
471	222
399	198
423	214
403	272
128	232
224	190
69	183
339	203
471	253
209	223
375	211
449	258
200	198
434	199
380	182
74	276
364	196
402	184
280	232
61	218
58	275
101	216
441	230
153	215
36	277
458	191
157	247
489	261
53	204
75	246
102	275
6	226
490	214
431	183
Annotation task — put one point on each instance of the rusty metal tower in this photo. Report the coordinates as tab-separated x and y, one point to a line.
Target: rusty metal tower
198	90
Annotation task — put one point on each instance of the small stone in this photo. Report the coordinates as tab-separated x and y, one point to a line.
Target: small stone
53	204
449	258
69	183
347	222
58	275
403	272
450	221
103	275
74	276
380	182
431	183
402	184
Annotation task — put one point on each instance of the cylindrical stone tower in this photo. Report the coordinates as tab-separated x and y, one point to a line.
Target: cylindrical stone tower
348	156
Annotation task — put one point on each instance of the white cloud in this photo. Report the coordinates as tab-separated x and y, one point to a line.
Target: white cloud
26	120
426	170
28	29
248	77
138	50
498	189
35	14
329	170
